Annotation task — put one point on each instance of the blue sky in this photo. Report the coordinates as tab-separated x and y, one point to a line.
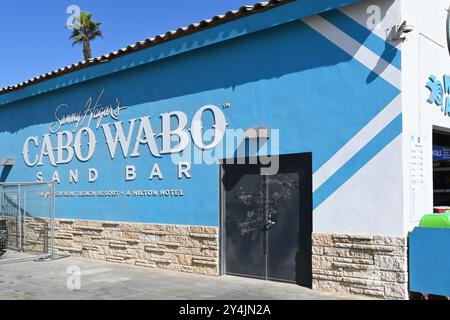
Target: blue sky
35	39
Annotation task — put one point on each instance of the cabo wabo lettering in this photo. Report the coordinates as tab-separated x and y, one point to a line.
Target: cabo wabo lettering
81	141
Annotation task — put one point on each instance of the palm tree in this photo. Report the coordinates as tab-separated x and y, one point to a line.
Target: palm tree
84	31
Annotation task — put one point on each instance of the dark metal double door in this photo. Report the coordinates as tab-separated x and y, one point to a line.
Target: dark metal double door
268	221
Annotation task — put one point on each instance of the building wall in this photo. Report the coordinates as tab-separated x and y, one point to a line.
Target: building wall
359	242
374	266
425	54
189	249
332	117
331	84
375	147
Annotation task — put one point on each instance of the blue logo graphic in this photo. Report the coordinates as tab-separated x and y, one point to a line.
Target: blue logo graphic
439	91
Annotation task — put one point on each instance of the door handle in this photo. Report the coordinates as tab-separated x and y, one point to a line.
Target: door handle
270	224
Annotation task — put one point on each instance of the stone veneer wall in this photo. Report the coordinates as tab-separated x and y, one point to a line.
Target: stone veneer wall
36	232
363	265
179	248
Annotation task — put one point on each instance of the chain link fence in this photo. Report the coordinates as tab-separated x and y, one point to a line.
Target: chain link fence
27	221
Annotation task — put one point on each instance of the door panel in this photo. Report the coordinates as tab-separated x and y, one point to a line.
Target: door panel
283	236
289	197
268	221
245	223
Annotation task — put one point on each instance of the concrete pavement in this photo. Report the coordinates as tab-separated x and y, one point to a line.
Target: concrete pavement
82	279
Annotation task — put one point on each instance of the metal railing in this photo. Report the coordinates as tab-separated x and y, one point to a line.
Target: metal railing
27	220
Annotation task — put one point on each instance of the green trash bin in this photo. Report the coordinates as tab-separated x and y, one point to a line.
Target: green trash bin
441	221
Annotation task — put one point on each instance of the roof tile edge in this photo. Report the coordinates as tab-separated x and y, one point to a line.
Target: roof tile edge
150	42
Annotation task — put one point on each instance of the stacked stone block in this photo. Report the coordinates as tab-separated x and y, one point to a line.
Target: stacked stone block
363	265
35	233
178	248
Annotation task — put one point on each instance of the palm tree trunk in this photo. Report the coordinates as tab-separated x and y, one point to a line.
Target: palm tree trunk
87	50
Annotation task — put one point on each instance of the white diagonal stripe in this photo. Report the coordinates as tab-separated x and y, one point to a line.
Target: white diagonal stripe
358	51
362	138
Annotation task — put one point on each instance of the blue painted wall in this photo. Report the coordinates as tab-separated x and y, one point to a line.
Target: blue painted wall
287	77
429	261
